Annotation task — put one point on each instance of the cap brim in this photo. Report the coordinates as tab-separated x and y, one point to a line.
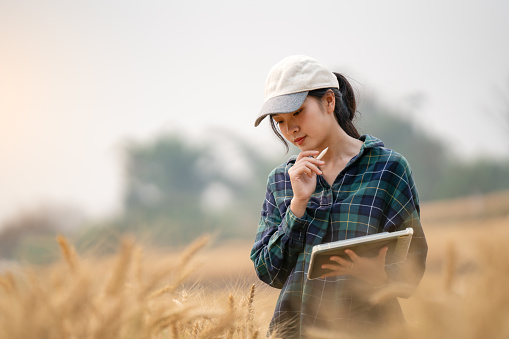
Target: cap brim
281	104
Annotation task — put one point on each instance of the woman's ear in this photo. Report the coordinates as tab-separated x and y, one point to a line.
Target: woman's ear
330	101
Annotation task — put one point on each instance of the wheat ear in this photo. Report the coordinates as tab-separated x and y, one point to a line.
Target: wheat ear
7	282
68	253
250	310
231	310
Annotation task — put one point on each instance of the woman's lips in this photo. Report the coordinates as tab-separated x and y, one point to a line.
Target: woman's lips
299	141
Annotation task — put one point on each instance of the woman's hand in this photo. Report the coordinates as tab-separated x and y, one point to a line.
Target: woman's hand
303	178
371	270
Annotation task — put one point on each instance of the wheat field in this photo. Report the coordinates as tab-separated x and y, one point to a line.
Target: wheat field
207	291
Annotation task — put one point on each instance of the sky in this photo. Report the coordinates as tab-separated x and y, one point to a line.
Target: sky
78	79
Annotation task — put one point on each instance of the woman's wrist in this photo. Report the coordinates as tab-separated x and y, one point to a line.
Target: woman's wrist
298	206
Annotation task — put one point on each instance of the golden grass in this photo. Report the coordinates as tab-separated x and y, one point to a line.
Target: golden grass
198	293
131	295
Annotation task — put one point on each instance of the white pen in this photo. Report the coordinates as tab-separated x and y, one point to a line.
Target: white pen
320	156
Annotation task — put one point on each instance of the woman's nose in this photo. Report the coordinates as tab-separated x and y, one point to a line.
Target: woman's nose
292	127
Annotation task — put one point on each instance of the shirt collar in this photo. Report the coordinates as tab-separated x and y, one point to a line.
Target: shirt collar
370	142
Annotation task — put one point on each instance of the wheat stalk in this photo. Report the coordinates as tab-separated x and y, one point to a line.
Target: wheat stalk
119	273
195	331
231	310
7	282
175	329
137	265
192	249
68	253
164	290
250	311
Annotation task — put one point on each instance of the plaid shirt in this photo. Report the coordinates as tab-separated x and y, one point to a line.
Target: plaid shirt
375	192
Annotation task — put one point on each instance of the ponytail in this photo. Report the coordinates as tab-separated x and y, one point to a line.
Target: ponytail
346	105
348	95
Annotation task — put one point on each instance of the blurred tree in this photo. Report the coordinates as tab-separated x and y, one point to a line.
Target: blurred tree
41	222
169	184
163	188
474	178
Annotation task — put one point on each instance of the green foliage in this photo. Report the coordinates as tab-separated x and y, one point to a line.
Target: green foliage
476	177
37	249
163	186
31	235
165	183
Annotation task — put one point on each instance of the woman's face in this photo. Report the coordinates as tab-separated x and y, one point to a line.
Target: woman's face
307	127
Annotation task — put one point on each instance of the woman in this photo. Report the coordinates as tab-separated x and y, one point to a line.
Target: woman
358	188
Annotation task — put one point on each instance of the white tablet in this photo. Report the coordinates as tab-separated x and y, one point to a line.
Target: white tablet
366	246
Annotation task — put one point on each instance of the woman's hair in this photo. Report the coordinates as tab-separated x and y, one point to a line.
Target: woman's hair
344	109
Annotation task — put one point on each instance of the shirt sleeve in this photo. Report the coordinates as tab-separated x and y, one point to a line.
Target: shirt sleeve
405	212
279	240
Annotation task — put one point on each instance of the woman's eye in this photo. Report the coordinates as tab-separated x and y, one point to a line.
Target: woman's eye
279	122
297	113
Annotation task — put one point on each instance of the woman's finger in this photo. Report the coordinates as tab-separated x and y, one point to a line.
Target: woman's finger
310	160
342	261
308	165
353	256
307	154
331	274
300	169
332	267
336	270
308	171
382	254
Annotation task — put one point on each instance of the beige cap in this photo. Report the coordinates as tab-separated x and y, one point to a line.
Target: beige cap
289	82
